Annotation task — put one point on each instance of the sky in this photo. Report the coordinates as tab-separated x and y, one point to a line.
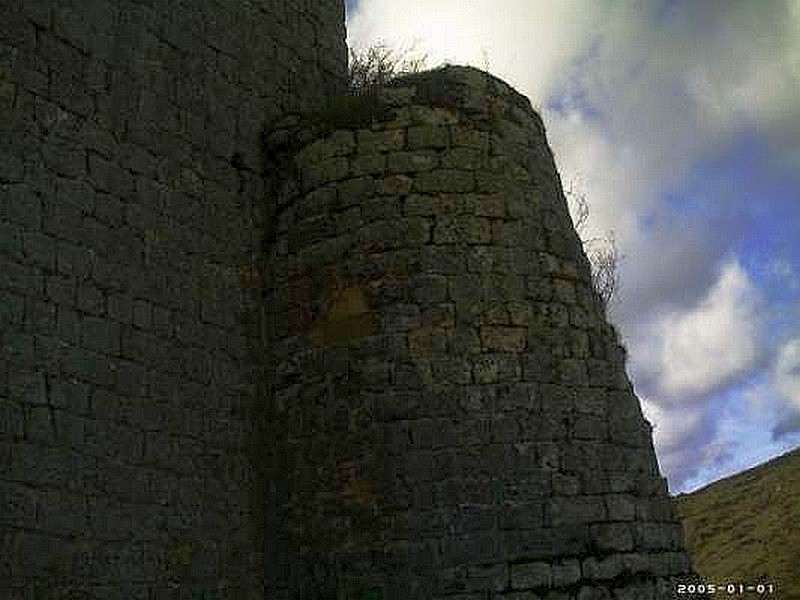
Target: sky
679	122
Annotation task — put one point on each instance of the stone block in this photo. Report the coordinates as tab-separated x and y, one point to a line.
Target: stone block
442	260
524	516
566	485
112	440
18	347
593	593
487	578
469	138
475	518
469	159
621	507
636	591
142	314
428	136
566	573
72	396
90	299
505	430
39	425
327	171
603	568
461	230
69	429
367	164
531	575
613	537
411	162
557	595
11	421
101	335
451	371
12	310
433	115
587	427
61	513
447	181
338	143
73	260
484	259
486	205
575	510
371	142
474	548
503	339
395	185
433	205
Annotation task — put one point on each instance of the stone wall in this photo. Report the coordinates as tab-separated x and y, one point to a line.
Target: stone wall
130	219
452	407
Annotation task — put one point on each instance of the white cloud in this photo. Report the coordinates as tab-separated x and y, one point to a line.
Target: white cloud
670	93
786	373
524	42
672	427
687	441
692	353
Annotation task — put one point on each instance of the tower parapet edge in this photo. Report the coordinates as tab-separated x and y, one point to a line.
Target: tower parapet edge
453	406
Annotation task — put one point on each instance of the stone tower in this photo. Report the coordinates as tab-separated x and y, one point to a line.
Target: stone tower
353	354
453	411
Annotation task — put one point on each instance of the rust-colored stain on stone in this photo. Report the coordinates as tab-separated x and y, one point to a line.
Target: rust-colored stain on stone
353	488
359	492
348	318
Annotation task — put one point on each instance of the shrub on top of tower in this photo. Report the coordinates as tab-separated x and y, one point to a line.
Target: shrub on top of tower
371	68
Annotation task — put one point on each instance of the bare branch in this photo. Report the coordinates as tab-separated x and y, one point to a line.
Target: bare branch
579	208
602	252
605	258
373	67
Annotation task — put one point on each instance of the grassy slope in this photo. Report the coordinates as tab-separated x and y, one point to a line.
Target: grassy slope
746	528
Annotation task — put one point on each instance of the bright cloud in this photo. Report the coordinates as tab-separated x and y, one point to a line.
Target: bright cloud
687	441
694	352
526	43
786	373
672	428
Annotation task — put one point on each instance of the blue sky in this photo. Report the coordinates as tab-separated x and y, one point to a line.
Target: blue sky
679	122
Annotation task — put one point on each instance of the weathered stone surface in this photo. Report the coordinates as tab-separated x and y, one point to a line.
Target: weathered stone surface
531	575
517	443
130	169
517	438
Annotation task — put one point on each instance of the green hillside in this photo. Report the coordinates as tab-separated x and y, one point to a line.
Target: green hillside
746	528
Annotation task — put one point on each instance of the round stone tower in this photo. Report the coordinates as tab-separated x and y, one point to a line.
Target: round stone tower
451	409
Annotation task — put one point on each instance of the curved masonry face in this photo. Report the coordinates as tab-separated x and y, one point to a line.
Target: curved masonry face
453	409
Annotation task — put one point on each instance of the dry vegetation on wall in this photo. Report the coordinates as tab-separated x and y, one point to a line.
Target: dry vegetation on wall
602	252
371	68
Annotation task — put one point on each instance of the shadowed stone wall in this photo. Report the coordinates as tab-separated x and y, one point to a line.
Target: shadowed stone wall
130	225
452	407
